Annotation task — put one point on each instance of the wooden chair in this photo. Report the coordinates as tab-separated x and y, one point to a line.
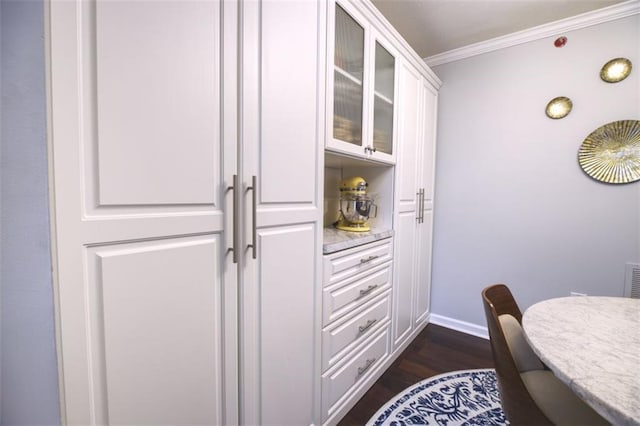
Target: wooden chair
530	393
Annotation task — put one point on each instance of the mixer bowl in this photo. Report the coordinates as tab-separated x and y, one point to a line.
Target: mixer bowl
356	210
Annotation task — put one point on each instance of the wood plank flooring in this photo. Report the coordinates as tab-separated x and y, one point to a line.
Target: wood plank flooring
436	350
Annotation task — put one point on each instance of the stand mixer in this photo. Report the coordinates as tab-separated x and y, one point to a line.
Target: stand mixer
355	205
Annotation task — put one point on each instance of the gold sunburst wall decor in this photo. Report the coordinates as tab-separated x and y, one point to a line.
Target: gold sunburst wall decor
616	70
611	153
559	107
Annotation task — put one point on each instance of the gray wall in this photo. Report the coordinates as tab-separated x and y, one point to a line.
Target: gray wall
28	358
512	203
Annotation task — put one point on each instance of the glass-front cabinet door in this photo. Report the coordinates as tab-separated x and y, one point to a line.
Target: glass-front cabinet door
363	76
348	74
383	100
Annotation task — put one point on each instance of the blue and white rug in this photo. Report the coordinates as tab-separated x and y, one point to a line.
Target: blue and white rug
467	397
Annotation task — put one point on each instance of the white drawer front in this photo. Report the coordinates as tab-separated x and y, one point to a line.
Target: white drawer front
337	383
341	265
348	295
344	335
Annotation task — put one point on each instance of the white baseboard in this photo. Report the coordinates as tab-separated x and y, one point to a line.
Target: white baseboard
463	326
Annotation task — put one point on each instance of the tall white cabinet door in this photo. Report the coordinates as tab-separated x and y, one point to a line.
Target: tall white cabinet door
425	226
282	125
407	176
139	188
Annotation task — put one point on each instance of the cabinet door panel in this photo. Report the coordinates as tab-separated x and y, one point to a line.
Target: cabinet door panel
348	91
138	184
423	278
288	101
425	228
159	306
282	90
362	70
409	119
405	276
429	140
157	85
280	328
383	99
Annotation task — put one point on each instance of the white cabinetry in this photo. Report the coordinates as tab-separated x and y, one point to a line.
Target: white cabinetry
374	77
356	315
425	222
362	75
175	290
282	121
414	202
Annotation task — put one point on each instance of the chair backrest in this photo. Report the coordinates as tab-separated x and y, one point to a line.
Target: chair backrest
518	405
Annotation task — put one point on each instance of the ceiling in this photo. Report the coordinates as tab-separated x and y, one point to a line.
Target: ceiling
437	26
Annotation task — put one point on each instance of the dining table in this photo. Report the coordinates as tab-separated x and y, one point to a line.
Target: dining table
592	344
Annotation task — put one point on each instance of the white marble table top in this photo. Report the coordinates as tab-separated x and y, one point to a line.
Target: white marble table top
593	345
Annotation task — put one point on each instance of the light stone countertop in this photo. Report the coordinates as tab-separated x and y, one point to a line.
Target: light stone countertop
593	345
336	239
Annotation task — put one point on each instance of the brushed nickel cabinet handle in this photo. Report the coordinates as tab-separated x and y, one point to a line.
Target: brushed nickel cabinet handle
366	366
422	206
367	326
368	290
368	259
418	204
236	203
254	214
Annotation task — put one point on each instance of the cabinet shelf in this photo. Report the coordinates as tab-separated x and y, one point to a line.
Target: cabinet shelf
346	74
382	97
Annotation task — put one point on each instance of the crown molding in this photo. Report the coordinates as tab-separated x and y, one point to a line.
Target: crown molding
606	14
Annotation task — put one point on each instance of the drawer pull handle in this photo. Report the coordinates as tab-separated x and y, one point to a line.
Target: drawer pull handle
368	290
367	364
367	326
368	259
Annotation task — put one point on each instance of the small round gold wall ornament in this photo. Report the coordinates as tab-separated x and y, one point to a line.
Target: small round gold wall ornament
616	70
559	107
611	153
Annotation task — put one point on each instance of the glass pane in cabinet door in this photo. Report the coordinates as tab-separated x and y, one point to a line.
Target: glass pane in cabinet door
383	101
348	70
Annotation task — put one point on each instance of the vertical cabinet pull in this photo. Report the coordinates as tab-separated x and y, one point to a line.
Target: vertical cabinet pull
236	209
236	201
254	214
420	207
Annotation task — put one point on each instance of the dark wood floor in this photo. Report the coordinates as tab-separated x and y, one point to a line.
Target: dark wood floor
436	350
